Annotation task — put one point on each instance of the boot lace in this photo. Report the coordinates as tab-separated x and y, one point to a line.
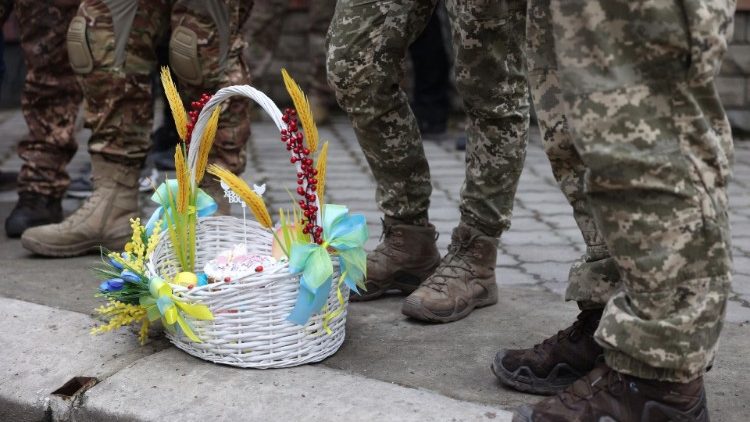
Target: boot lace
384	234
84	210
573	332
455	265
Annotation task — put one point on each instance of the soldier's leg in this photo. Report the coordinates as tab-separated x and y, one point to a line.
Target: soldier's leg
50	102
593	278
111	45
205	49
657	178
558	361
639	94
121	36
367	43
488	39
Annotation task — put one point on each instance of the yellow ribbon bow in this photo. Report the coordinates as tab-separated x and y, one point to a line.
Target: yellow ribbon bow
163	304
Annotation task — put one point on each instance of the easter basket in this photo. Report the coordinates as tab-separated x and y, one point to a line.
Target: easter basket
250	326
286	312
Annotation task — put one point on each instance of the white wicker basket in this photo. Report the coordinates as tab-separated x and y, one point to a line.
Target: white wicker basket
250	327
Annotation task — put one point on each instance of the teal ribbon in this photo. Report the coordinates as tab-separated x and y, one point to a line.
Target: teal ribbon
345	235
204	205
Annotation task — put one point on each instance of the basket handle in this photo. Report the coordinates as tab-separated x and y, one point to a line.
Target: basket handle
224	93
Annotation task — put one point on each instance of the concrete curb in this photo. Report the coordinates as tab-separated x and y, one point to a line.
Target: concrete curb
45	347
191	389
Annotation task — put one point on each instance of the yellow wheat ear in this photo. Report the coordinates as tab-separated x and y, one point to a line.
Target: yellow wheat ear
252	199
175	103
207	141
303	110
183	177
321	167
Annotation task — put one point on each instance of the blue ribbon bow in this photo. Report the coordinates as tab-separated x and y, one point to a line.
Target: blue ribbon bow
344	235
204	205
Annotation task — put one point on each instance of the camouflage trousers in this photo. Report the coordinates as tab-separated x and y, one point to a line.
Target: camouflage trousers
367	43
264	34
595	277
50	98
123	36
627	92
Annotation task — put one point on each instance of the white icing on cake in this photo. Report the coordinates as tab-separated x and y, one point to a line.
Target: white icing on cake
235	263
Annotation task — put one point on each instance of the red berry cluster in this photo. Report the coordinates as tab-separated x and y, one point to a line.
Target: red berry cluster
196	107
306	181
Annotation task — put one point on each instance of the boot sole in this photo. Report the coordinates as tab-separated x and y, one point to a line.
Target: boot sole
413	308
651	411
14	233
78	249
404	282
523	378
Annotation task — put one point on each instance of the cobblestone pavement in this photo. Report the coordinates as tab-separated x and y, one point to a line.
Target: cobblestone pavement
451	359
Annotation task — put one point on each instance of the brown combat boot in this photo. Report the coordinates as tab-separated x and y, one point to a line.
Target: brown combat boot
102	220
405	257
464	280
607	395
557	362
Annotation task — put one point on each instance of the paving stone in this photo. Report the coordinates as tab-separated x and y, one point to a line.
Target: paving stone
560	220
504	259
742	264
574	234
741	282
528	224
542	253
512	276
445	214
548	271
526	238
737	312
562	209
556	287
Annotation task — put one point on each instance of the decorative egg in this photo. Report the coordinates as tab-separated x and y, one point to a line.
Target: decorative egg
186	278
276	250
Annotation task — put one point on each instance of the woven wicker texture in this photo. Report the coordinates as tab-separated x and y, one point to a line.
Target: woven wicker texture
249	327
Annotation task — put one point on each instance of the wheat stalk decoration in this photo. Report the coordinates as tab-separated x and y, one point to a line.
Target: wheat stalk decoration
175	103
182	175
302	105
320	166
240	187
207	141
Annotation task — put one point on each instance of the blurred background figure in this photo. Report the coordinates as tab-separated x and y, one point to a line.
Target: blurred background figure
50	102
112	47
264	33
7	179
432	89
